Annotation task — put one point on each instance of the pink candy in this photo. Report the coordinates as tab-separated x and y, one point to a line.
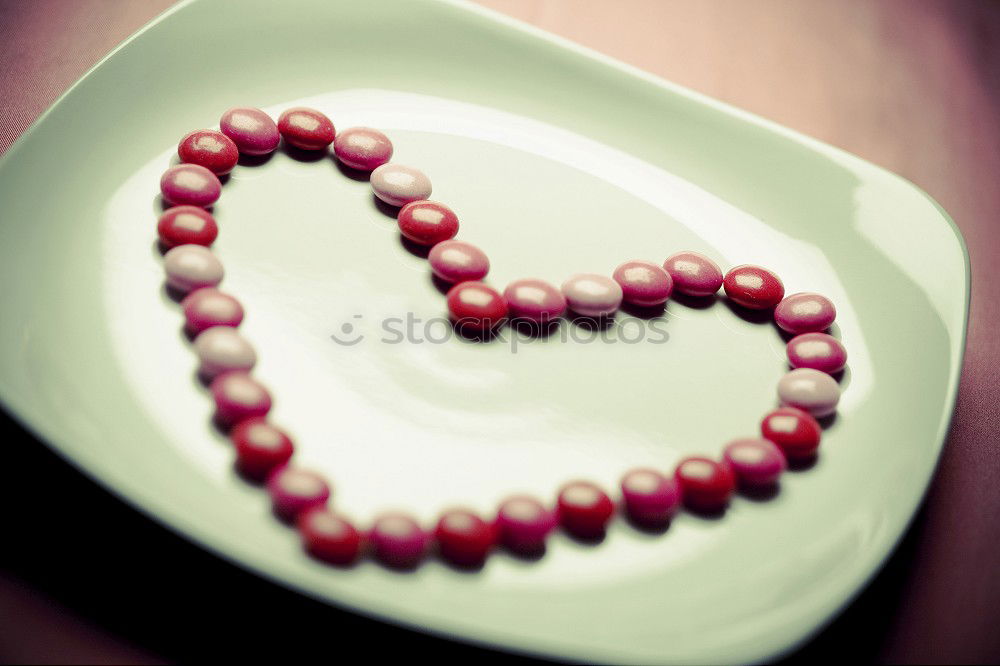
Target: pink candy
190	184
804	313
190	267
643	283
810	390
458	261
523	524
362	148
252	130
238	397
295	490
398	185
398	541
818	351
592	295
222	349
208	307
650	498
534	300
693	274
756	462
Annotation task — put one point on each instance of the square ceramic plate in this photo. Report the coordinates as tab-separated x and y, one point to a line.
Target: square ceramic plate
557	161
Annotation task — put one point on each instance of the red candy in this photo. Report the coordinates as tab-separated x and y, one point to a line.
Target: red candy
208	307
757	463
475	306
260	448
307	129
239	397
213	150
797	433
753	287
804	313
584	509
523	524
464	538
295	490
329	537
398	541
427	222
705	484
183	225
650	498
252	130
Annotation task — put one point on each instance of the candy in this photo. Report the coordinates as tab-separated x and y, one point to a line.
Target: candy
190	267
427	222
238	397
705	484
756	462
475	306
222	349
183	225
398	185
693	274
260	448
753	287
307	129
814	391
534	300
208	307
523	524
584	509
463	538
213	150
398	541
795	432
252	130
190	184
643	283
458	261
804	313
650	498
329	537
294	490
592	295
362	148
818	351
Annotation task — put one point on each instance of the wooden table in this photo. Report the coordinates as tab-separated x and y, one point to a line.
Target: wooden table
912	85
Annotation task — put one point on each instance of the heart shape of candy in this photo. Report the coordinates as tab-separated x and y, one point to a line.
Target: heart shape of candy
583	509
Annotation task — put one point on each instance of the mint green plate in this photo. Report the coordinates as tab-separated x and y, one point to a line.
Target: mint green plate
557	160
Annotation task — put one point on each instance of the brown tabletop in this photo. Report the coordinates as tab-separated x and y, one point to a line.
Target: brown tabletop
912	85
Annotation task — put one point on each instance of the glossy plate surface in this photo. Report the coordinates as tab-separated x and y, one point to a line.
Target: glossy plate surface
557	161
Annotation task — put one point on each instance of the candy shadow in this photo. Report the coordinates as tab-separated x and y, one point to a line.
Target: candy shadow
300	155
803	464
175	295
694	302
760	493
649	527
416	249
384	208
533	555
471	568
442	286
474	336
536	330
644	311
587	539
748	315
589	323
255	160
350	172
707	514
